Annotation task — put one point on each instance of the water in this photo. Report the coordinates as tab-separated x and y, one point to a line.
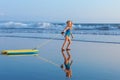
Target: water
56	28
95	51
47	30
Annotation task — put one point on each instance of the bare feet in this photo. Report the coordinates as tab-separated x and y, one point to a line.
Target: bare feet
63	49
68	49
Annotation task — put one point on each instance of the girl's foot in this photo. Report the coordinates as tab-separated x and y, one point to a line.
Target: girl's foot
68	49
63	49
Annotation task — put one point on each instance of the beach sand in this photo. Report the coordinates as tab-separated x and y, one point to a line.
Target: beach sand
91	61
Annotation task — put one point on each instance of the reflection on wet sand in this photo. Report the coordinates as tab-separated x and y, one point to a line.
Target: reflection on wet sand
66	66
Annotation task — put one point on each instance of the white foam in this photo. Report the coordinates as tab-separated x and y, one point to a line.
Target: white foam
44	25
12	24
15	24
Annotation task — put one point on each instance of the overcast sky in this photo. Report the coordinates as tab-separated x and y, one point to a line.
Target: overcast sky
83	11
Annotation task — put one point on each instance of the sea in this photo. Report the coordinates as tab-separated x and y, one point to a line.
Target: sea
56	28
94	50
102	32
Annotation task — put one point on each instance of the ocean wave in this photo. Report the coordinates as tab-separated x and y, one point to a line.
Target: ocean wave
41	25
47	27
97	27
12	24
44	25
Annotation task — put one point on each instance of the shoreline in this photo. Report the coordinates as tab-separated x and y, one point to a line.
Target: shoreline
109	39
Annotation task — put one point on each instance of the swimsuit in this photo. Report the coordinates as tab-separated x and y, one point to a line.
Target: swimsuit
67	66
67	33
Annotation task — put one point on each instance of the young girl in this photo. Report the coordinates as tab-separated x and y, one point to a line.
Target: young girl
67	32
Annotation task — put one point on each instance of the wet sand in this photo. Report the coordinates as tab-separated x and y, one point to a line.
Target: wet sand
91	61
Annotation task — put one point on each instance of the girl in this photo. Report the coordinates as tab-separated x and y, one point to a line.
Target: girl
67	32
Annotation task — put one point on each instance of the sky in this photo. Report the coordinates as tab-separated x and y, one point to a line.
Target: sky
81	11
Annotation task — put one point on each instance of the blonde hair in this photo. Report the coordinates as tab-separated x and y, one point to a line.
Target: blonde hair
69	21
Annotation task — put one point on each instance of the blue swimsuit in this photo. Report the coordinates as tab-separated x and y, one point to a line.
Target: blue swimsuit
67	66
68	32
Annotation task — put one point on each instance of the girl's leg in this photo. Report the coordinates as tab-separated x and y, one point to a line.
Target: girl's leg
69	55
69	43
65	58
66	39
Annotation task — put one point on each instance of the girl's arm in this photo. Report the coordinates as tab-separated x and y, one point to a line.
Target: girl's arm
71	35
62	67
71	62
64	30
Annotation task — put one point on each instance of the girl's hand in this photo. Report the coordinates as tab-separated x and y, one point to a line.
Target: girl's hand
62	66
62	33
72	37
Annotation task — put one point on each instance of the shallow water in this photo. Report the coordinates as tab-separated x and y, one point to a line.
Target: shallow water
91	61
